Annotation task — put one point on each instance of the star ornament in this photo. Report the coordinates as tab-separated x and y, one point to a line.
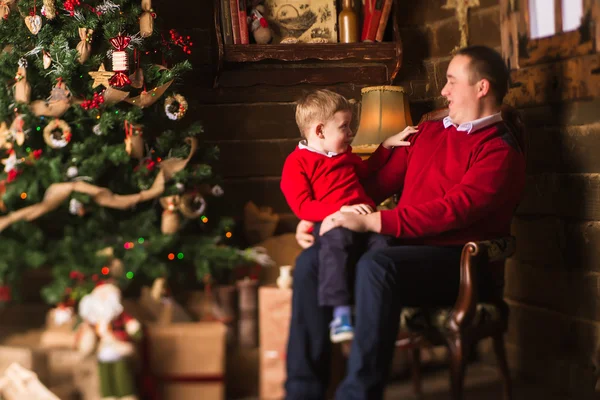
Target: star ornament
10	163
101	77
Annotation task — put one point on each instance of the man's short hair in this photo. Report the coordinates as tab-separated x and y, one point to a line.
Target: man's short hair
487	64
319	105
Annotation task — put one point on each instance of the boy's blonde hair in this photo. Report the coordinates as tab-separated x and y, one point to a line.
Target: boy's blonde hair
319	105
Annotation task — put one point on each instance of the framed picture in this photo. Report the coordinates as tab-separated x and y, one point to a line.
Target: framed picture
305	21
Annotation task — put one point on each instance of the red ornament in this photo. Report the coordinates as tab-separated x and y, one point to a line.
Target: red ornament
184	42
120	62
12	175
70	6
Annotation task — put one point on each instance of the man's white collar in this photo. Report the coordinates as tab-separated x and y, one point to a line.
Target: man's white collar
476	125
303	145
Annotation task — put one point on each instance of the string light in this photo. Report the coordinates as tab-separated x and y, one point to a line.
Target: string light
204	219
28	149
39	128
228	235
128	245
180	256
129	275
171	256
105	270
23	195
141	240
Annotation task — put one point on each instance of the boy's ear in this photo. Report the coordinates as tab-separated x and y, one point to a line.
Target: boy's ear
319	131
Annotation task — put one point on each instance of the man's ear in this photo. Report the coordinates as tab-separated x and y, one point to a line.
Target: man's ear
483	88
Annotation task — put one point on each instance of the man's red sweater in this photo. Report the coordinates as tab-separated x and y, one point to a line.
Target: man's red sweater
456	187
316	185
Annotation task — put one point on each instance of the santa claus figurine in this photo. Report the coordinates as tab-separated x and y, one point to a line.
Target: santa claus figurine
109	330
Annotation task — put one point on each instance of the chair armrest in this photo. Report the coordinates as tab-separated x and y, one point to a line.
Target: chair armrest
476	255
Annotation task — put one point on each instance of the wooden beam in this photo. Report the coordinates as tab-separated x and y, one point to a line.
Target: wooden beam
558	25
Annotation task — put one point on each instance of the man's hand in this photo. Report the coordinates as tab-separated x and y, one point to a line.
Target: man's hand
363	209
354	222
398	139
304	239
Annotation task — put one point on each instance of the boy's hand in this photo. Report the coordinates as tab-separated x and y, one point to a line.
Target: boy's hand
363	209
398	138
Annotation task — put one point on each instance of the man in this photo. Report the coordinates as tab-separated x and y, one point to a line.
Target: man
460	180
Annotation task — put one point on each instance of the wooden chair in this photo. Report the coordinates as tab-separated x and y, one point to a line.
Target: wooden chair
469	320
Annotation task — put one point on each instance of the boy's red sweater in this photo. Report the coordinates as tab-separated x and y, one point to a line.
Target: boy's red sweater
456	187
316	185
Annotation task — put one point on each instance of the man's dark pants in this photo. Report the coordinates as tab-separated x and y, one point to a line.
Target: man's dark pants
339	250
386	280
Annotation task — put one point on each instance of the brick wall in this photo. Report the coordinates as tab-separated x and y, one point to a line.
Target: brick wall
552	283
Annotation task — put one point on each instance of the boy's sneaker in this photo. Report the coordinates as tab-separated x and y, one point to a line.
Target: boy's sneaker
341	330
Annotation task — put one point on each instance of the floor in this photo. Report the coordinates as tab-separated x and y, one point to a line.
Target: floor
482	382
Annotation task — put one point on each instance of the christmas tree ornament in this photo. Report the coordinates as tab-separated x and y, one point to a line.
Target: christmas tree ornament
147	19
22	88
57	134
72	172
134	143
84	47
97	130
170	219
112	333
4	137
217	191
17	130
47	59
175	107
101	77
49	9
70	5
56	104
120	62
57	193
192	205
11	162
5	8
76	207
33	22
14	134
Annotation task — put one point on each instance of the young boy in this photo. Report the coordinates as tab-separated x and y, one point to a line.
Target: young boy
322	176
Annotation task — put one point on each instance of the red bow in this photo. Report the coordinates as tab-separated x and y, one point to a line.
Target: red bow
120	43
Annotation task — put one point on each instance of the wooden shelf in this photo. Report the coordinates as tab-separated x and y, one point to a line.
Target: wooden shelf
301	51
374	63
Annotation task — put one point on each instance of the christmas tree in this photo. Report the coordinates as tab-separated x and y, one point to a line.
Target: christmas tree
103	174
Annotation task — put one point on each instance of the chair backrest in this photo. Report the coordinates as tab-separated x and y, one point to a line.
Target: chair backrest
510	115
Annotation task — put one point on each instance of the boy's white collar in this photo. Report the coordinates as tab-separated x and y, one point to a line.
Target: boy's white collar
303	145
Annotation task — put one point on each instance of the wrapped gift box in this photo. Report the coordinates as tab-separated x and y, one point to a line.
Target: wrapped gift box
275	311
187	360
31	359
275	307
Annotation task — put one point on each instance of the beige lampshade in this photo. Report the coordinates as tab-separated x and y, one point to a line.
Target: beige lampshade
384	112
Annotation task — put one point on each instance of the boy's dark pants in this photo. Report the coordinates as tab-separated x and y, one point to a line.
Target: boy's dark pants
339	250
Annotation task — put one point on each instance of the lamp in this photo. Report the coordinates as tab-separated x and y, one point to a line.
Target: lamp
384	112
